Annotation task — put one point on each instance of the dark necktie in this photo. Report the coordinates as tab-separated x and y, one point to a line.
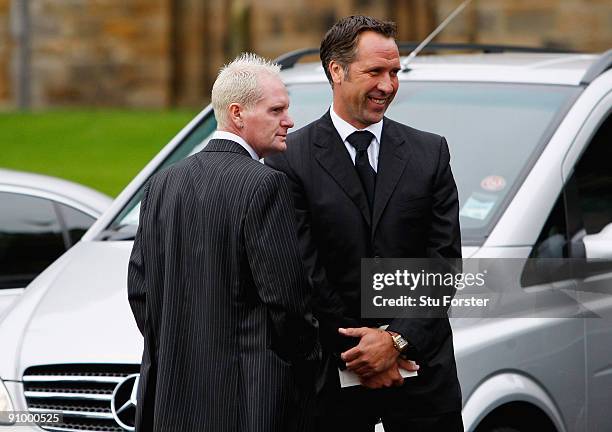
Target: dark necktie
361	141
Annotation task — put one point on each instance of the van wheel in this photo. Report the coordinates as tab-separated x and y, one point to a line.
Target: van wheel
516	417
503	429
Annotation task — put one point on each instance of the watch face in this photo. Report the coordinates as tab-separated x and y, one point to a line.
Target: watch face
400	343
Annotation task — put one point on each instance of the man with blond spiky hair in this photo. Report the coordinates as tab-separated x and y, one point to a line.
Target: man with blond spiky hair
215	280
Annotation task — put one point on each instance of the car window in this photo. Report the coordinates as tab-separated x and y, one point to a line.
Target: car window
585	206
30	238
594	180
545	263
495	133
552	241
75	222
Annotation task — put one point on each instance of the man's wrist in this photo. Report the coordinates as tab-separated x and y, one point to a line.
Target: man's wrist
399	342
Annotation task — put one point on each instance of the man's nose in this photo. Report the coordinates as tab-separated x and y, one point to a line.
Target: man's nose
386	84
287	122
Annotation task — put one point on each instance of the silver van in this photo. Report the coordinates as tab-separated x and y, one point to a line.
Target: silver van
530	135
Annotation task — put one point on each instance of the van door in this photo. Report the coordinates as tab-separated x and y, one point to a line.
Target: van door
593	176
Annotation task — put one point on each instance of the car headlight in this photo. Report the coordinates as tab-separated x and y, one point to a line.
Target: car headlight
5	404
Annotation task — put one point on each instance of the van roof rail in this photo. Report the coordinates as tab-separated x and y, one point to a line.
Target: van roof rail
599	66
288	60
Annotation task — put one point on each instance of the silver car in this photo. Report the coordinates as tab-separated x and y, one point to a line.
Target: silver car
41	218
529	135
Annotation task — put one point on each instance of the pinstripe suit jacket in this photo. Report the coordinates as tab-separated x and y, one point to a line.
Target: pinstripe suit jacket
218	290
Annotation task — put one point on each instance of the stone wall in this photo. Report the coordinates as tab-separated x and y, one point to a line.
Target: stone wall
199	48
5	56
99	52
275	31
581	25
159	53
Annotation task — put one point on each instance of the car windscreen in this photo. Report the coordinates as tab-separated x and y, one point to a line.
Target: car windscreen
495	133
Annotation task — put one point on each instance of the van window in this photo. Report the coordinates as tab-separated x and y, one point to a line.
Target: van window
594	180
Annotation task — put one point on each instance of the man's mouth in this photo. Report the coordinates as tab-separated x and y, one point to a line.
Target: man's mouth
378	101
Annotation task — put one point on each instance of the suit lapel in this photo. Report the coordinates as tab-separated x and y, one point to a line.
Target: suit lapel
392	158
330	153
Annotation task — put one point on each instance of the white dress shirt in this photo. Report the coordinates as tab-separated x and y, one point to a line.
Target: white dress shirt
345	129
224	135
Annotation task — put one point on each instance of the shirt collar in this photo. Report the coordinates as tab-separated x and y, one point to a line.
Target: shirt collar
224	135
344	128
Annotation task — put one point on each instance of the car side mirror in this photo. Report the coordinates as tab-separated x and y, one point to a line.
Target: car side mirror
599	246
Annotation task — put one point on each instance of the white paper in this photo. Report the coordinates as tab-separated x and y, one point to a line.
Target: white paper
349	379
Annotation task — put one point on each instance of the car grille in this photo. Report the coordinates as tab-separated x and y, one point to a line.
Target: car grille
81	392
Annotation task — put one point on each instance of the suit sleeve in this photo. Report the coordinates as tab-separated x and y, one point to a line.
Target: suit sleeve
137	292
444	245
273	255
444	240
328	307
139	300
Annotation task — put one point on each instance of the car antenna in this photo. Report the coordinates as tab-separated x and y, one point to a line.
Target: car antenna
433	34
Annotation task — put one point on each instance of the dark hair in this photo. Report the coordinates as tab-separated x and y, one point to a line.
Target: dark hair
340	41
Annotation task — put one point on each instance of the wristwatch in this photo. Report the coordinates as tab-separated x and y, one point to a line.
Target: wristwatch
399	343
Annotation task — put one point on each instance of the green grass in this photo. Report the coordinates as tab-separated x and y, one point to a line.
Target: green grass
103	149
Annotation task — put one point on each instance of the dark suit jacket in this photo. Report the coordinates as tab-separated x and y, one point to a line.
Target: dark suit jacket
415	215
218	290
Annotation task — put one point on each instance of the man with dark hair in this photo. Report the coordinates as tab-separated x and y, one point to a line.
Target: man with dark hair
366	186
340	42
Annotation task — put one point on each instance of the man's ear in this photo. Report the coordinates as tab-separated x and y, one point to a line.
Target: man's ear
235	115
336	71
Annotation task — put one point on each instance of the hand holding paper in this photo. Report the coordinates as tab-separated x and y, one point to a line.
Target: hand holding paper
394	376
374	353
374	362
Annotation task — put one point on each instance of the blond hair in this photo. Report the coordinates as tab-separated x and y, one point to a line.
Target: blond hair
238	82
